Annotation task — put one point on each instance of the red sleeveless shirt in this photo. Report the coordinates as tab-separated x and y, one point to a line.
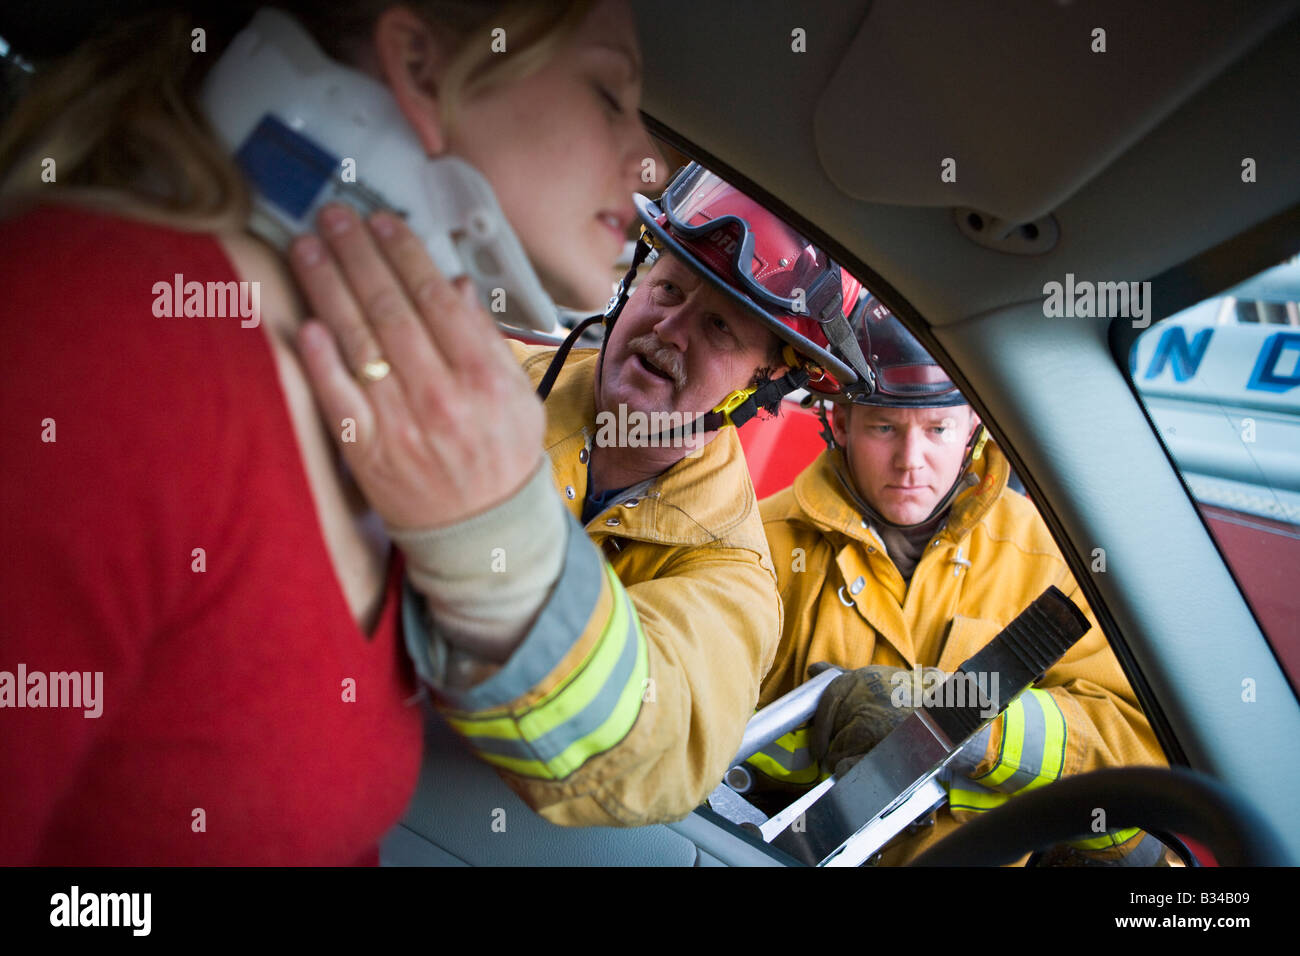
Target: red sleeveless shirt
244	718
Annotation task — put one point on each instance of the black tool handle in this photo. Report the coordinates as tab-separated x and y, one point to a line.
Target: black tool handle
1021	653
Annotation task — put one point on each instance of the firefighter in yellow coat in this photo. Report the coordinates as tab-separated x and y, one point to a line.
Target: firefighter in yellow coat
599	636
903	548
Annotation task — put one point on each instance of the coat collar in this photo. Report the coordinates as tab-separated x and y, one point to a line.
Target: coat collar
694	502
827	505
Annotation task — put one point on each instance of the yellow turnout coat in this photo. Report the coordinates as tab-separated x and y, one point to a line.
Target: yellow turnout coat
845	602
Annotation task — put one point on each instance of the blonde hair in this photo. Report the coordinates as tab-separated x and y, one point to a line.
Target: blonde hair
120	117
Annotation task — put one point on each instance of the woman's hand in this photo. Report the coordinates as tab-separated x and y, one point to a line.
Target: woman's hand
454	428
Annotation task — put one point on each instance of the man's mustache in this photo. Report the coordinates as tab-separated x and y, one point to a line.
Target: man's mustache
668	360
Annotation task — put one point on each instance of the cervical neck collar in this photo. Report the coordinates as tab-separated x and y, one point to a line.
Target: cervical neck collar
307	130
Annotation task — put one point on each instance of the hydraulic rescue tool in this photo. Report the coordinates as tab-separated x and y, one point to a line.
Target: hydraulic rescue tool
844	821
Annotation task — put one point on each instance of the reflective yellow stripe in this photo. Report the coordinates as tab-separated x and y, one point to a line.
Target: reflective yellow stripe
525	768
789	758
961	798
979	800
579	690
1106	840
1013	738
1032	749
536	741
586	679
771	768
1053	760
617	725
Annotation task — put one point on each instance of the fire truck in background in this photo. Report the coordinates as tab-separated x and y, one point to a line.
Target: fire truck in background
1221	382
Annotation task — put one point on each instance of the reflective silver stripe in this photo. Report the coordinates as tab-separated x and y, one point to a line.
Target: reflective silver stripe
1031	746
555	741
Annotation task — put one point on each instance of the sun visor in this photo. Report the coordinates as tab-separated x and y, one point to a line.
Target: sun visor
1011	108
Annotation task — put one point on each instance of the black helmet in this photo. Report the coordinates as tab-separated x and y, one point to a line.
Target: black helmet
906	374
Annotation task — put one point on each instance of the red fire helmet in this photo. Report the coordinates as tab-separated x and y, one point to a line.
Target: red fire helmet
762	263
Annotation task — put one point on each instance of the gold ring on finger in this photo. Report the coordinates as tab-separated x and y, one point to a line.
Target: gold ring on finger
376	370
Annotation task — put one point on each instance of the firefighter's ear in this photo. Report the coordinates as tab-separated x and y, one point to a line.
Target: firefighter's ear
780	358
840	423
974	423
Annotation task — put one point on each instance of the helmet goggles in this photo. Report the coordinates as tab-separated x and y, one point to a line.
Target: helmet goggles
781	269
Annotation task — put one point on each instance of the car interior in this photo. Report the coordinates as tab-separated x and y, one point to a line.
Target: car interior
959	158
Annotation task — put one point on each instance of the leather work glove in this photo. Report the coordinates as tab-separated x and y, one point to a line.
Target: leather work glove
859	709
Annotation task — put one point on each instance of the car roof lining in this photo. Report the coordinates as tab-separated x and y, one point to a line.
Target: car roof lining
1155	205
1213	272
1015	95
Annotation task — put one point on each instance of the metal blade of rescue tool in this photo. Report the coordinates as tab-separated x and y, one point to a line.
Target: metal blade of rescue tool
916	750
864	844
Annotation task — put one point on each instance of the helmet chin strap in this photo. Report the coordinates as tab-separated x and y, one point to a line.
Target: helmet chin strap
974	450
610	316
734	410
744	403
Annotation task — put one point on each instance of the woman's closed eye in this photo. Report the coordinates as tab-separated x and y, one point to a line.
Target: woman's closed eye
612	102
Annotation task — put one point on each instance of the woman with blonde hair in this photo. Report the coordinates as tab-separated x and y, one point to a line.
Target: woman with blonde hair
201	660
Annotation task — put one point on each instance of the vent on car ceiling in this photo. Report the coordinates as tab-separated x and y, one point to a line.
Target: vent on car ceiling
1031	238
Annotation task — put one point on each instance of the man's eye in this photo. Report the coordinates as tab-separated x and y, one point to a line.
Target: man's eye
723	335
882	429
665	292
